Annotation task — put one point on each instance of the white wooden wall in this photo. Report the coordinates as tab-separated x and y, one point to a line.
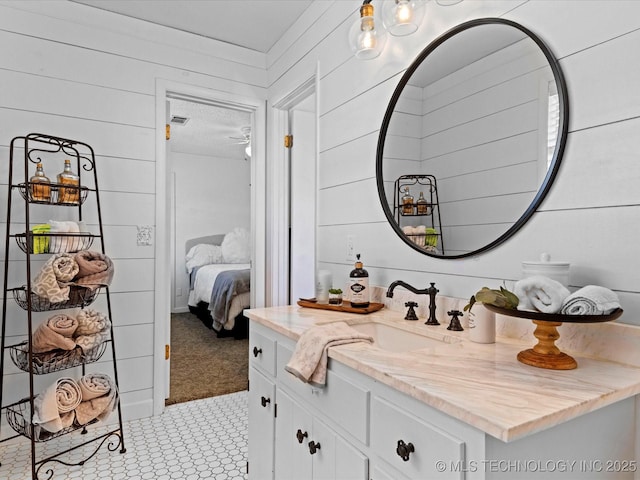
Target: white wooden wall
78	72
591	216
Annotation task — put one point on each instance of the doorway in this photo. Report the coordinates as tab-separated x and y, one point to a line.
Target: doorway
166	90
208	160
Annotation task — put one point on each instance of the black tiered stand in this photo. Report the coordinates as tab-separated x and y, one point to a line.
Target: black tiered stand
50	151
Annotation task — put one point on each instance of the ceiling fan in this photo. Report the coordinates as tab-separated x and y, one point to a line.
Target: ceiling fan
245	139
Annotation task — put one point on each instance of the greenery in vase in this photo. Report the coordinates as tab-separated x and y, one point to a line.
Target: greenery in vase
335	291
502	298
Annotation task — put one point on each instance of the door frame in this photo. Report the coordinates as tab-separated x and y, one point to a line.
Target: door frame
162	287
278	247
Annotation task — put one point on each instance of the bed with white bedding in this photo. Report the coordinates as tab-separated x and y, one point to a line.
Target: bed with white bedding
219	289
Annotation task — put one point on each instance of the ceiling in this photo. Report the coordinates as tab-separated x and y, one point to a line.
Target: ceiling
253	24
209	130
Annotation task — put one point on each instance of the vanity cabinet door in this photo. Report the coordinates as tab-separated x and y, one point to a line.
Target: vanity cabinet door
261	410
336	459
293	429
307	449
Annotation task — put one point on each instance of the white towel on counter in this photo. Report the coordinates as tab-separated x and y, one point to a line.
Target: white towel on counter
540	293
309	360
591	300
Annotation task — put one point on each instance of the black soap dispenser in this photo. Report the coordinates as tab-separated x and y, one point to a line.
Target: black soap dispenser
359	285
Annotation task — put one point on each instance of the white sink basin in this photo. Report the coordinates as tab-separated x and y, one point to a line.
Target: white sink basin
394	339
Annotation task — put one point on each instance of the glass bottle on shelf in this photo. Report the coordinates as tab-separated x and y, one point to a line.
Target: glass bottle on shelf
407	202
40	185
67	177
422	206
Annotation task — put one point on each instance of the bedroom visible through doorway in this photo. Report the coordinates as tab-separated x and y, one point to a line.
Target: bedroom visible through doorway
209	169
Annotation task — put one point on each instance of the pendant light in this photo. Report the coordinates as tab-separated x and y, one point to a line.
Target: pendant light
402	17
367	39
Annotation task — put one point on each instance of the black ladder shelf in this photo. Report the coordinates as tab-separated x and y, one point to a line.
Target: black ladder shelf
403	211
50	151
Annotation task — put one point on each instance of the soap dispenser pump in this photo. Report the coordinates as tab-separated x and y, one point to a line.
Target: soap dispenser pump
359	285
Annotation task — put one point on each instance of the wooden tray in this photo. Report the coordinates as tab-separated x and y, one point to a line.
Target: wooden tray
345	307
545	354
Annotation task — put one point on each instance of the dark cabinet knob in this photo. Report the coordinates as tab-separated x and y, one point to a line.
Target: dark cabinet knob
404	450
256	351
313	447
301	436
264	401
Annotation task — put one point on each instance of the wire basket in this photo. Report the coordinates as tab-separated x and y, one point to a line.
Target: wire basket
78	297
53	193
55	242
19	417
56	360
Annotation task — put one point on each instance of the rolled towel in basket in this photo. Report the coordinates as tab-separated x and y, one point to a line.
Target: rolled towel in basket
67	242
89	342
99	397
591	300
52	281
56	333
91	321
540	293
95	269
54	409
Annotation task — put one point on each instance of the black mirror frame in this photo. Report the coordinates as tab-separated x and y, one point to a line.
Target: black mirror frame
563	99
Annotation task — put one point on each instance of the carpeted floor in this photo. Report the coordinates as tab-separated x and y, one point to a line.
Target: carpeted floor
203	365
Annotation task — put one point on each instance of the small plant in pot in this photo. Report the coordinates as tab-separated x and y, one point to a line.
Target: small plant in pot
335	296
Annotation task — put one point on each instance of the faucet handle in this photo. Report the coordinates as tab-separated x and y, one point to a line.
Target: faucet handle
455	322
411	313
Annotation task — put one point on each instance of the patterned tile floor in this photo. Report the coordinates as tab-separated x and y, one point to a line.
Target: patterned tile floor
203	439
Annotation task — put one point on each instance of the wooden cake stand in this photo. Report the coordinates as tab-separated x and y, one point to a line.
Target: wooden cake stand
545	354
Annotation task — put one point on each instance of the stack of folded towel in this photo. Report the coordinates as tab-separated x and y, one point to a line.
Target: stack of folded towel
86	268
543	294
309	360
67	402
89	329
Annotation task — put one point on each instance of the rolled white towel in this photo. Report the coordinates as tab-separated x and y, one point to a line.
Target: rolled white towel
591	300
540	293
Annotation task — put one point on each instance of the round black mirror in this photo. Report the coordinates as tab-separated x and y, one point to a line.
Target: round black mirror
472	138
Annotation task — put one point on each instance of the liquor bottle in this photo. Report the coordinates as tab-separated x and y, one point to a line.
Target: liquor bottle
359	285
67	177
407	202
422	205
40	185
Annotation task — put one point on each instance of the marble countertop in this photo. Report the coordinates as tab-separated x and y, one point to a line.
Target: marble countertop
483	385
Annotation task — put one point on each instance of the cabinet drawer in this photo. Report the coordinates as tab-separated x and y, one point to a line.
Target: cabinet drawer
342	400
262	352
429	443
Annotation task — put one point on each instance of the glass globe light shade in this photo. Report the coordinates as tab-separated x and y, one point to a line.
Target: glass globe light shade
367	40
402	17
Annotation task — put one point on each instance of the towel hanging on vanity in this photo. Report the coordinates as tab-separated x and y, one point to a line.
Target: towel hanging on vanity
309	360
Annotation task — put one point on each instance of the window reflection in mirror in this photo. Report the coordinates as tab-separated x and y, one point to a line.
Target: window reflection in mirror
482	112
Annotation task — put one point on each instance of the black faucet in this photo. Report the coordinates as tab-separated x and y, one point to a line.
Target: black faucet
431	291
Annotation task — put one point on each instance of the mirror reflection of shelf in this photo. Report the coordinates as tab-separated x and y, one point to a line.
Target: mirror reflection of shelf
405	206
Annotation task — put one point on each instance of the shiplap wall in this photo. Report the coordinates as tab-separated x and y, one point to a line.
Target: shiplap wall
591	216
79	72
